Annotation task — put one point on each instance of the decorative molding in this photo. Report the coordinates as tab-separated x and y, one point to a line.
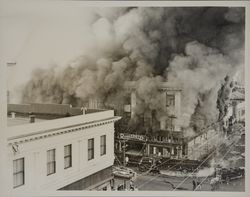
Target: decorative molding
15	148
51	133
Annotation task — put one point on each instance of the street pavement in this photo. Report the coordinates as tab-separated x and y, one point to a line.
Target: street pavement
168	183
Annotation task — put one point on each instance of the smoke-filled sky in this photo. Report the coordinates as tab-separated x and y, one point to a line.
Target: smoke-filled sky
70	53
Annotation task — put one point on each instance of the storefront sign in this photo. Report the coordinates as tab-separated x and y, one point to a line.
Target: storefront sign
128	136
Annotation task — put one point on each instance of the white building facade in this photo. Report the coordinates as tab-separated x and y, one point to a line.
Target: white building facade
71	153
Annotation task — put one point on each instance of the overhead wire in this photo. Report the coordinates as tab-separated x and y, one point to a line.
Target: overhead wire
197	168
181	161
208	175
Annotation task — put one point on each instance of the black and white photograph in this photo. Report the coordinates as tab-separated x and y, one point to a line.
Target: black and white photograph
123	97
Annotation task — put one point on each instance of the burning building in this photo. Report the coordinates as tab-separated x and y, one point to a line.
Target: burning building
158	132
146	115
165	117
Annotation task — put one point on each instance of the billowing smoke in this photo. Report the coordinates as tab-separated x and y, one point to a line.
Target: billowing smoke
192	48
199	71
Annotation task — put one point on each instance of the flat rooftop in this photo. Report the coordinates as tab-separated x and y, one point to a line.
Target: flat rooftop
21	120
19	114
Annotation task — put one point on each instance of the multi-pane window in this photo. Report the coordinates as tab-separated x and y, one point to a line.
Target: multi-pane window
51	161
103	145
18	172
67	156
90	148
170	100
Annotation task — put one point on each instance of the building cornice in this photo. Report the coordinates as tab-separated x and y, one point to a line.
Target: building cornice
32	136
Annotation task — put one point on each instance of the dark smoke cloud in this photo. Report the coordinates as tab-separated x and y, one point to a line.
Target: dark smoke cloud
192	48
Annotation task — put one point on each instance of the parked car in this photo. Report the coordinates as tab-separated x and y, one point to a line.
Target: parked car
148	162
123	172
228	174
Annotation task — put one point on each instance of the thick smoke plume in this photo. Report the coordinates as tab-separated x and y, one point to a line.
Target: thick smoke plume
192	48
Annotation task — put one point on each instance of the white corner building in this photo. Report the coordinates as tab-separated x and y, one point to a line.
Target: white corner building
57	147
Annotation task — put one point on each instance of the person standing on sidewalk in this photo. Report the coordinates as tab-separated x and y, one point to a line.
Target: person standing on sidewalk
194	184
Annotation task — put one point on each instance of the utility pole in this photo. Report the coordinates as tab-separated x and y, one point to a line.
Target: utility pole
124	152
172	131
172	126
124	161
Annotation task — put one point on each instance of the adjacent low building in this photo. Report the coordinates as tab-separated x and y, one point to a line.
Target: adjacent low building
57	147
169	146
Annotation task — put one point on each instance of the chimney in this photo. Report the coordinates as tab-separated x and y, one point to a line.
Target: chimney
32	118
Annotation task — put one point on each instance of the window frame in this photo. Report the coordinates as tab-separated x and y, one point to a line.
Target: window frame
103	147
22	171
91	149
170	100
53	162
68	156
